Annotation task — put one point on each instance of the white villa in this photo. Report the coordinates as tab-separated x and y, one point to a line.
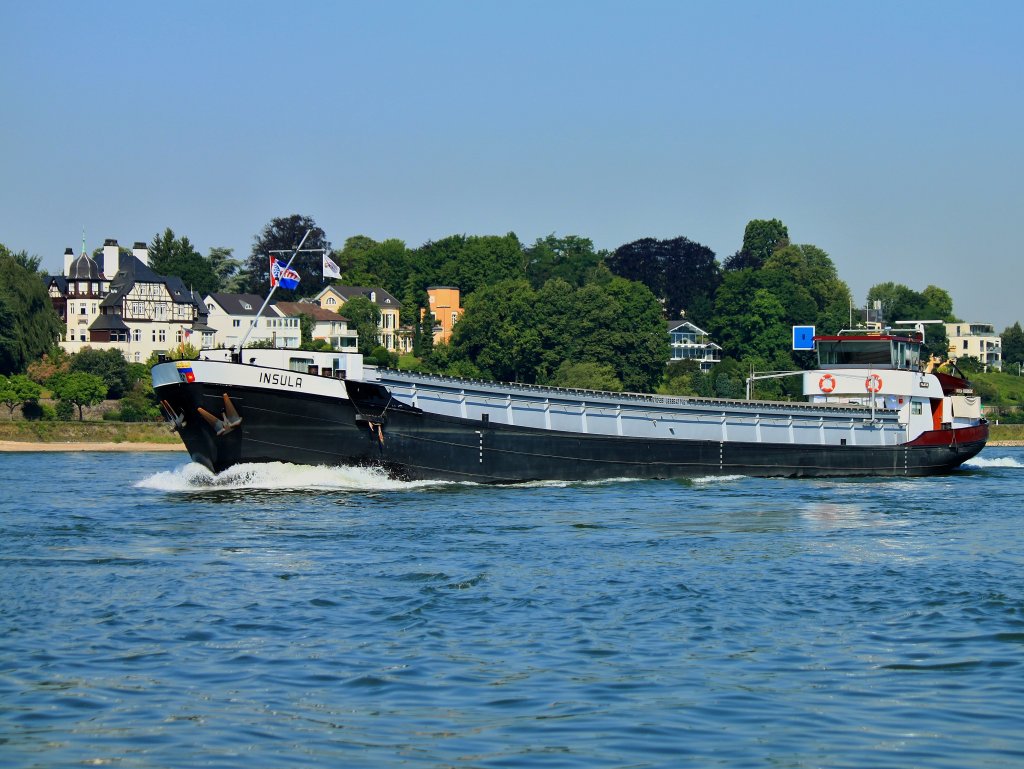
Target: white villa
976	340
234	314
688	342
119	303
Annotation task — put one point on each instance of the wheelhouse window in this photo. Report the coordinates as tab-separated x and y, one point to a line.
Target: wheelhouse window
860	353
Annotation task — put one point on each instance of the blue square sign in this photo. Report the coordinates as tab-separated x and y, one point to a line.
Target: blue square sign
803	337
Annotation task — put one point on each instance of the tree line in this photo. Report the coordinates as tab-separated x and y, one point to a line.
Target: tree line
556	311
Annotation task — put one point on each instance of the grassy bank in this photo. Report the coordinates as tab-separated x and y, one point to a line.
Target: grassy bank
87	432
1006	433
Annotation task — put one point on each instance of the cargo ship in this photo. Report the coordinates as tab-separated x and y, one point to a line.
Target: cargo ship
872	407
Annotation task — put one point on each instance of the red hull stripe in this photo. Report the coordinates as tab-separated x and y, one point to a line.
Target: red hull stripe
949	437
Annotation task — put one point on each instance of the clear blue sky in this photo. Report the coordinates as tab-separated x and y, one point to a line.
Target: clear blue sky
889	134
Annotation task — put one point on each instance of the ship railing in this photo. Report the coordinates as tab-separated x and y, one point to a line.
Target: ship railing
664	400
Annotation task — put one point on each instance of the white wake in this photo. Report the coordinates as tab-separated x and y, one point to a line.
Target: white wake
278	476
993	462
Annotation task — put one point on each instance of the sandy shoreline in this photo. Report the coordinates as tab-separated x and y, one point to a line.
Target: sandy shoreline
68	446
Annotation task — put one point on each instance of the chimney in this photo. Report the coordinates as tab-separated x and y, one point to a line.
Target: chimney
141	252
111	260
69	257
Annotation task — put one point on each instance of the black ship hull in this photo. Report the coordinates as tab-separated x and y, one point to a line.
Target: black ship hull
370	429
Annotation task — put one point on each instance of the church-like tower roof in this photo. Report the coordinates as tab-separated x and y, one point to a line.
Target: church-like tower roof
84	268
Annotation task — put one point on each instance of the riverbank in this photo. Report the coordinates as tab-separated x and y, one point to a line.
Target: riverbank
8	446
20	435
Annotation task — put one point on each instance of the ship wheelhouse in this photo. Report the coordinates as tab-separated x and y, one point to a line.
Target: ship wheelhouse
852	350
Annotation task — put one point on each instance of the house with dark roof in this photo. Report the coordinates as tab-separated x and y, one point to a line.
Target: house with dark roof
119	302
234	314
390	335
328	325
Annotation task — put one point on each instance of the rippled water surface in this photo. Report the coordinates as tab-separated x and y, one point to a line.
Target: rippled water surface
154	616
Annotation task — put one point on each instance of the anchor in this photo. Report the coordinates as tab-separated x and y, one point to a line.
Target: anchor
177	421
229	419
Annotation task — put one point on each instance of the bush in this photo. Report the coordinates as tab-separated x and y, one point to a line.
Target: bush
65	411
139	405
108	365
38	412
383	358
587	376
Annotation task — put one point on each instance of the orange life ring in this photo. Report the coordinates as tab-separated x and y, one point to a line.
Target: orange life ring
873	383
827	383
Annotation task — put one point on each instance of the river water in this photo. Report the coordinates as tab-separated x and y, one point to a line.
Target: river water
154	616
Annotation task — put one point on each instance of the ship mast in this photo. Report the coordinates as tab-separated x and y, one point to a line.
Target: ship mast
273	288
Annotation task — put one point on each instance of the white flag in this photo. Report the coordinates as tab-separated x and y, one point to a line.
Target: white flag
331	270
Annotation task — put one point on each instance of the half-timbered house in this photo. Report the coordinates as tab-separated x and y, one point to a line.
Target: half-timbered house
119	302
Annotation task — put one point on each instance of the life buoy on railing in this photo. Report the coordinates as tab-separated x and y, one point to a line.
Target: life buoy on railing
873	383
827	383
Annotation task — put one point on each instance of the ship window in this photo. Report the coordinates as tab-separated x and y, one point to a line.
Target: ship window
300	364
915	408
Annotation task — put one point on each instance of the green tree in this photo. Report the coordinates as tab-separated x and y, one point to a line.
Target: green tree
637	340
170	255
761	238
189	351
808	271
466	262
29	326
498	332
900	303
224	268
365	262
681	273
79	389
284	234
570	258
750	319
939	303
353	262
140	405
17	390
484	260
1013	345
108	365
587	376
364	316
30	263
